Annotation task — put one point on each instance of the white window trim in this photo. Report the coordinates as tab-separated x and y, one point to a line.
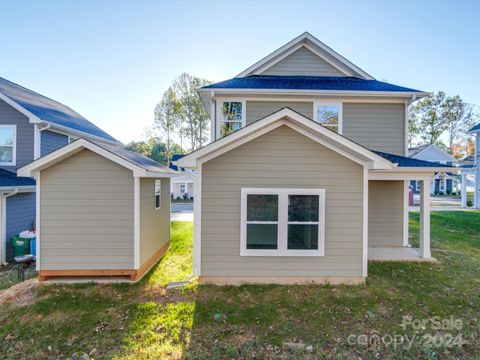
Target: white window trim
283	222
159	194
220	121
14	146
318	103
417	185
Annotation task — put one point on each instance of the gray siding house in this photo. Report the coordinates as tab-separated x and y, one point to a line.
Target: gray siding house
31	126
307	177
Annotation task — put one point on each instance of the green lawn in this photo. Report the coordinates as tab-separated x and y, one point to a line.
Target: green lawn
145	321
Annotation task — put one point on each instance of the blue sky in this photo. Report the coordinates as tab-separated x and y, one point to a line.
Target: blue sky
111	61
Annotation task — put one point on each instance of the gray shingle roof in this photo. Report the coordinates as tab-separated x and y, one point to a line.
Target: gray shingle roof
416	149
403	161
49	110
135	158
10	179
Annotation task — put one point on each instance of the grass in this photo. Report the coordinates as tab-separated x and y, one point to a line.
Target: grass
145	321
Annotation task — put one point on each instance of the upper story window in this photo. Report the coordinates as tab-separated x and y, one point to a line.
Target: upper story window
282	222
232	116
8	143
329	114
157	194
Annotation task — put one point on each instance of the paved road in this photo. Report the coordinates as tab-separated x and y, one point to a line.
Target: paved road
181	211
440	203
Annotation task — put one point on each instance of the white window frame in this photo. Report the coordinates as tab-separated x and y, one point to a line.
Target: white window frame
282	223
14	146
417	185
159	194
318	103
220	121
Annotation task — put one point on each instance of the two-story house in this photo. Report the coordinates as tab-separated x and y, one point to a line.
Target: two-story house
306	179
443	183
31	126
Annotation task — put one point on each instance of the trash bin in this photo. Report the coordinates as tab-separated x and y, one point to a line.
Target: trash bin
21	246
33	247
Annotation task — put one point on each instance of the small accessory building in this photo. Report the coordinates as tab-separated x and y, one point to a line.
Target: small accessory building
101	211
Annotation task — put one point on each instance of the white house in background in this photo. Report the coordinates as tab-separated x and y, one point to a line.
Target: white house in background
470	168
182	186
443	183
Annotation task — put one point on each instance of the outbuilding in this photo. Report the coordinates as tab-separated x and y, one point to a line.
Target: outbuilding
101	211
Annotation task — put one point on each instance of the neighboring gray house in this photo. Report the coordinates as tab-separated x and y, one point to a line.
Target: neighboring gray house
31	126
307	177
443	183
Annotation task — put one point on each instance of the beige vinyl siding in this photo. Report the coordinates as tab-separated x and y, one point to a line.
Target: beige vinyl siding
281	158
154	224
86	207
303	62
385	213
378	127
257	110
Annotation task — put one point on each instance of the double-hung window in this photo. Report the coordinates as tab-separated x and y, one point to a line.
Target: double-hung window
329	114
8	142
158	194
232	116
282	222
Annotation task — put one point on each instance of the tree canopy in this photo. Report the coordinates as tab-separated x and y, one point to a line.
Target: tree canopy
441	120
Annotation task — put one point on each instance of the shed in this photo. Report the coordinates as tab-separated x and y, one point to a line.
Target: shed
101	211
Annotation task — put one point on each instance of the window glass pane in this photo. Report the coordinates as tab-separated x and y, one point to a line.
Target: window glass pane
6	154
157	201
303	207
229	127
232	111
6	137
262	207
262	236
327	115
302	237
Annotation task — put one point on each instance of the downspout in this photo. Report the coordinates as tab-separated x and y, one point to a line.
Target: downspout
3	250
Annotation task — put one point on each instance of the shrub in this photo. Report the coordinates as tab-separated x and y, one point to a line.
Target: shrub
179	198
185	196
469	203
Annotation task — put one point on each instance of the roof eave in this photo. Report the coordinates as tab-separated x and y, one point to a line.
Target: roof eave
403	94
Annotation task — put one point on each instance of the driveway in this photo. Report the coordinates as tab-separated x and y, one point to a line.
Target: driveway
181	211
439	203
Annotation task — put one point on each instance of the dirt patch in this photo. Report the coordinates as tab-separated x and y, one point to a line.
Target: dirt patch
21	294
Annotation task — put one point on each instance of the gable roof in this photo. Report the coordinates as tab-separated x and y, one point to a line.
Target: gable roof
330	83
317	47
415	152
39	108
416	149
474	129
296	121
140	165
